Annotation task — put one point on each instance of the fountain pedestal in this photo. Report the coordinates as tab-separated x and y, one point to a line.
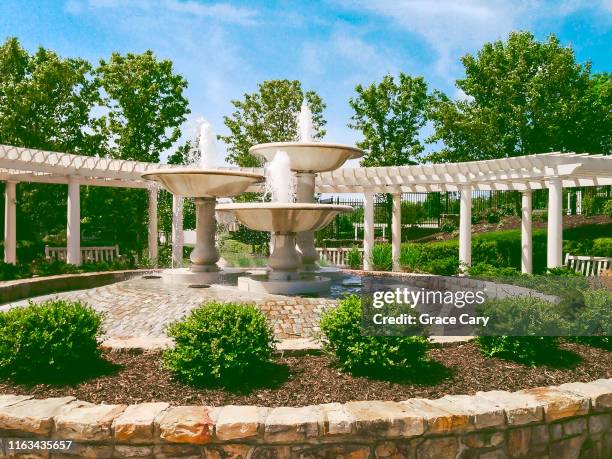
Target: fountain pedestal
205	255
284	260
305	240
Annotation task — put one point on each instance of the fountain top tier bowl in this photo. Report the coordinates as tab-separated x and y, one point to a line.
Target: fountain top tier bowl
203	183
309	156
282	217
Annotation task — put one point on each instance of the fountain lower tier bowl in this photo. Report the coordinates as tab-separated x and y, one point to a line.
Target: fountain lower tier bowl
199	183
280	217
284	220
309	156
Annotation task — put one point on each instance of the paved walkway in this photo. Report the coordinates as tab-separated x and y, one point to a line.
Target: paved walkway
144	307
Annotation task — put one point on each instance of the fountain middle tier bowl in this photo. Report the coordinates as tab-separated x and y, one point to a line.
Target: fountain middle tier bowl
202	183
280	217
309	156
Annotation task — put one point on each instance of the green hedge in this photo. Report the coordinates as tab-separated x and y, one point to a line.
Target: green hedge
48	340
502	249
497	249
10	271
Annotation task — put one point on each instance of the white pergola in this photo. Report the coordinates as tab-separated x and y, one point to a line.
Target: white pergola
521	173
524	173
29	165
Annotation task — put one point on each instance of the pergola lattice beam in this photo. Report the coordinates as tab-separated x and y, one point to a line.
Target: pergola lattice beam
26	159
517	173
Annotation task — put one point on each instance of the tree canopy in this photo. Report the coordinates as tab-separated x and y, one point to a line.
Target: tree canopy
523	96
46	101
390	115
145	102
269	115
130	107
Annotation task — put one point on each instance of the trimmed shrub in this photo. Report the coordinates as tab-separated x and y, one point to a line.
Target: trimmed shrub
359	353
353	258
48	340
487	270
410	257
443	267
607	208
602	247
524	329
219	343
595	319
381	257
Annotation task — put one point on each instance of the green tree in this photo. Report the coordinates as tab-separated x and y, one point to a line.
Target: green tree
145	105
601	106
268	115
390	115
46	103
522	96
49	102
145	109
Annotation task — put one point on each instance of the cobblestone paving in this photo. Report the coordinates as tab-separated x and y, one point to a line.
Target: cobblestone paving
144	307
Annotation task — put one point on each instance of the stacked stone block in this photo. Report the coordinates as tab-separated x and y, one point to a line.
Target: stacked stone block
568	421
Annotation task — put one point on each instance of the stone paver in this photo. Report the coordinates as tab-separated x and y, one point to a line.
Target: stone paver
141	309
87	422
186	424
34	416
137	423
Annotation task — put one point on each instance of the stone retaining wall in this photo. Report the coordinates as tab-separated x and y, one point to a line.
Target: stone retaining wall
568	421
35	286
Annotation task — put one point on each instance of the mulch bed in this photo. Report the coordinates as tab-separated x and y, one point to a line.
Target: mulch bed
314	379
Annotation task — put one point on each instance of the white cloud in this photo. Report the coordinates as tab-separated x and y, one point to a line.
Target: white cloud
221	12
452	28
346	55
224	12
200	45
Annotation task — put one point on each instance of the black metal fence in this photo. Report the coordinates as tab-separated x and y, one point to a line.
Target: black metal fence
429	211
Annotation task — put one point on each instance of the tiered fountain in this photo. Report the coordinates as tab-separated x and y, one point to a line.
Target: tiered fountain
306	158
205	183
293	224
292	263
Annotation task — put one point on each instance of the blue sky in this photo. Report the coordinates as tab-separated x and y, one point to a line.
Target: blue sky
224	48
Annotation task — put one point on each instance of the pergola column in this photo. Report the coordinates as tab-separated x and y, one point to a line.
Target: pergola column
152	226
177	231
396	231
555	224
368	229
73	232
465	227
526	233
10	222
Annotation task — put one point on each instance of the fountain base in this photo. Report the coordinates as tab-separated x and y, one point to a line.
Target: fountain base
326	271
187	276
204	268
261	283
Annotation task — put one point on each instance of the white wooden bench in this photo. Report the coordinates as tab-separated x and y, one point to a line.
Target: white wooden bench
588	266
88	254
335	256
